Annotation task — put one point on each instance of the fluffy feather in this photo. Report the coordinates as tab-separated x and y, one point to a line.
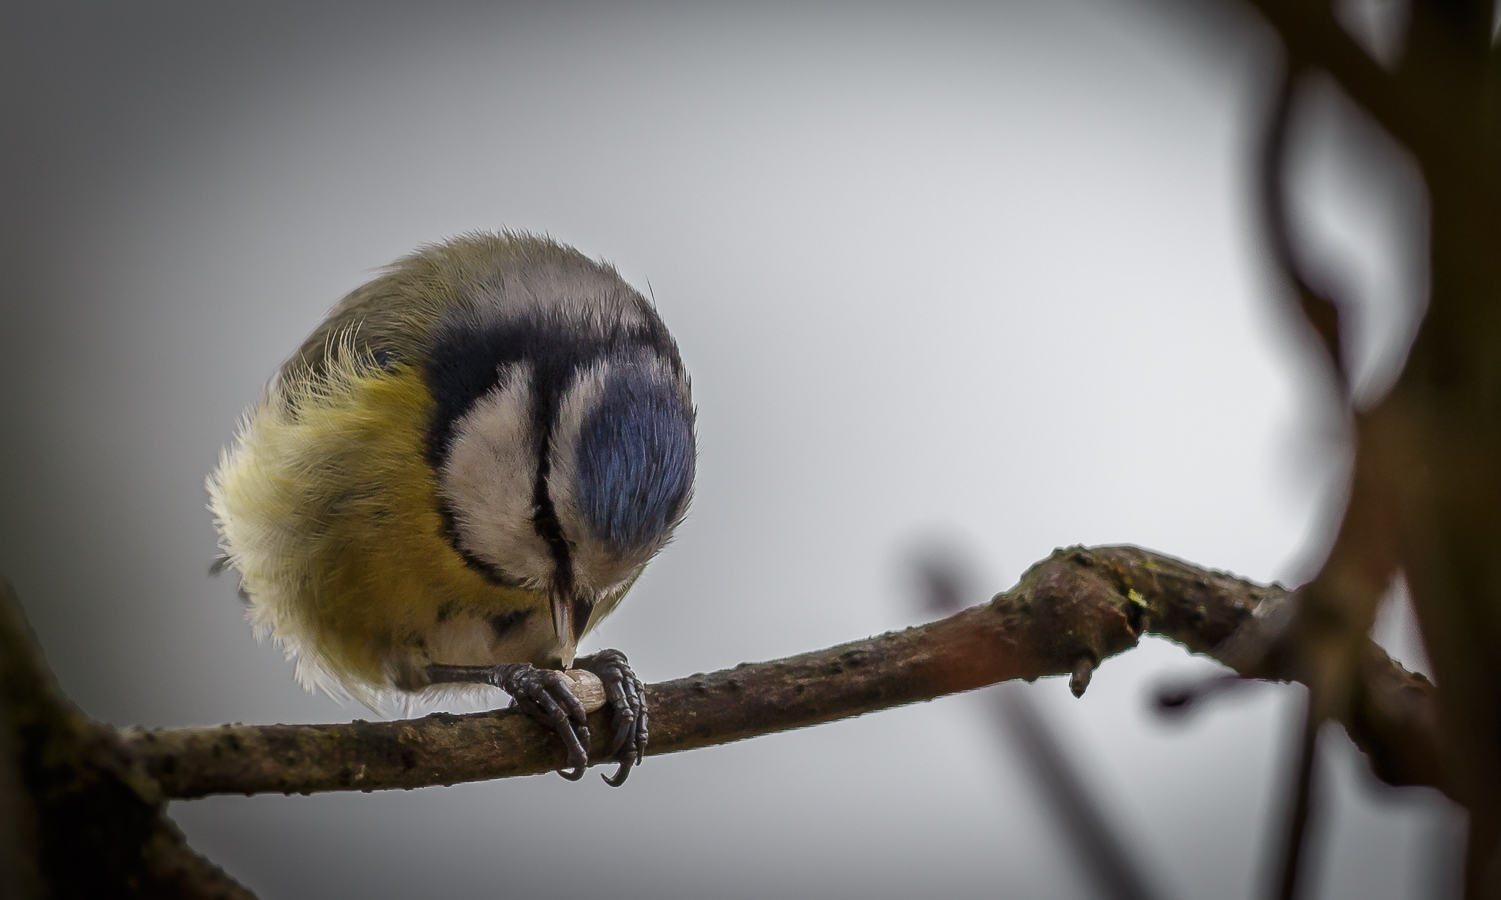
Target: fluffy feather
409	489
325	507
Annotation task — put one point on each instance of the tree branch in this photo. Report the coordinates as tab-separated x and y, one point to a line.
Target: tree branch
1068	612
90	822
1420	114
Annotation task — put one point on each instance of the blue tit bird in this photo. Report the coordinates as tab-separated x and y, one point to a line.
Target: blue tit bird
461	472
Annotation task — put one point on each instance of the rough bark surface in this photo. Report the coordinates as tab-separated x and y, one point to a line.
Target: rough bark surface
1067	613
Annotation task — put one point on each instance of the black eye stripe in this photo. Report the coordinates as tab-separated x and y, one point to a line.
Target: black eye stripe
493	573
465	363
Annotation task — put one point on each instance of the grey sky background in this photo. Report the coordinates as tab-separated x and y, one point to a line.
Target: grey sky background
987	277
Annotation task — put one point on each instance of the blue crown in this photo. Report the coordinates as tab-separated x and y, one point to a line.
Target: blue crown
635	459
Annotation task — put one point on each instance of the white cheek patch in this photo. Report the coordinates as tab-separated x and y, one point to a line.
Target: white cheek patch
489	478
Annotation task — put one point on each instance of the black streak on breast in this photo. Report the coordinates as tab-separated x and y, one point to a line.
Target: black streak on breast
507	622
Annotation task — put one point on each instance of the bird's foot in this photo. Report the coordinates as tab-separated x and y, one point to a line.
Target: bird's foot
543	694
627	699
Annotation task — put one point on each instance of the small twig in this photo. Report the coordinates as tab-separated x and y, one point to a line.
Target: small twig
1321	312
1076	603
1103	853
1109	866
1295	833
1416	117
1180	698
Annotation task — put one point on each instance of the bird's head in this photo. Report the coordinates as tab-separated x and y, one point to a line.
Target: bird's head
568	475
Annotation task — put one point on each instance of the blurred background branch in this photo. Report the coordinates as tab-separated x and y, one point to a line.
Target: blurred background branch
1425	497
1112	865
83	819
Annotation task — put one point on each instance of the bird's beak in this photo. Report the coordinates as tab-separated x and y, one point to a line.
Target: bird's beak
562	625
570	617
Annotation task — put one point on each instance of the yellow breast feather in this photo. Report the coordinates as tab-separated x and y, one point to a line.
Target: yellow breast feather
327	507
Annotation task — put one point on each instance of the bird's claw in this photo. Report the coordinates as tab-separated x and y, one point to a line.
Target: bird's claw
627	698
544	695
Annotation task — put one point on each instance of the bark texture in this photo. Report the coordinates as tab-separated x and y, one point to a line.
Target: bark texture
1067	613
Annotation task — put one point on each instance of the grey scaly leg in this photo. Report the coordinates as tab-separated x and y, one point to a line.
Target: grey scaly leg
542	694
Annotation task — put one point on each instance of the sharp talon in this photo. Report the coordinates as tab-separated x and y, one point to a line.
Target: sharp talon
542	695
627	701
620	774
